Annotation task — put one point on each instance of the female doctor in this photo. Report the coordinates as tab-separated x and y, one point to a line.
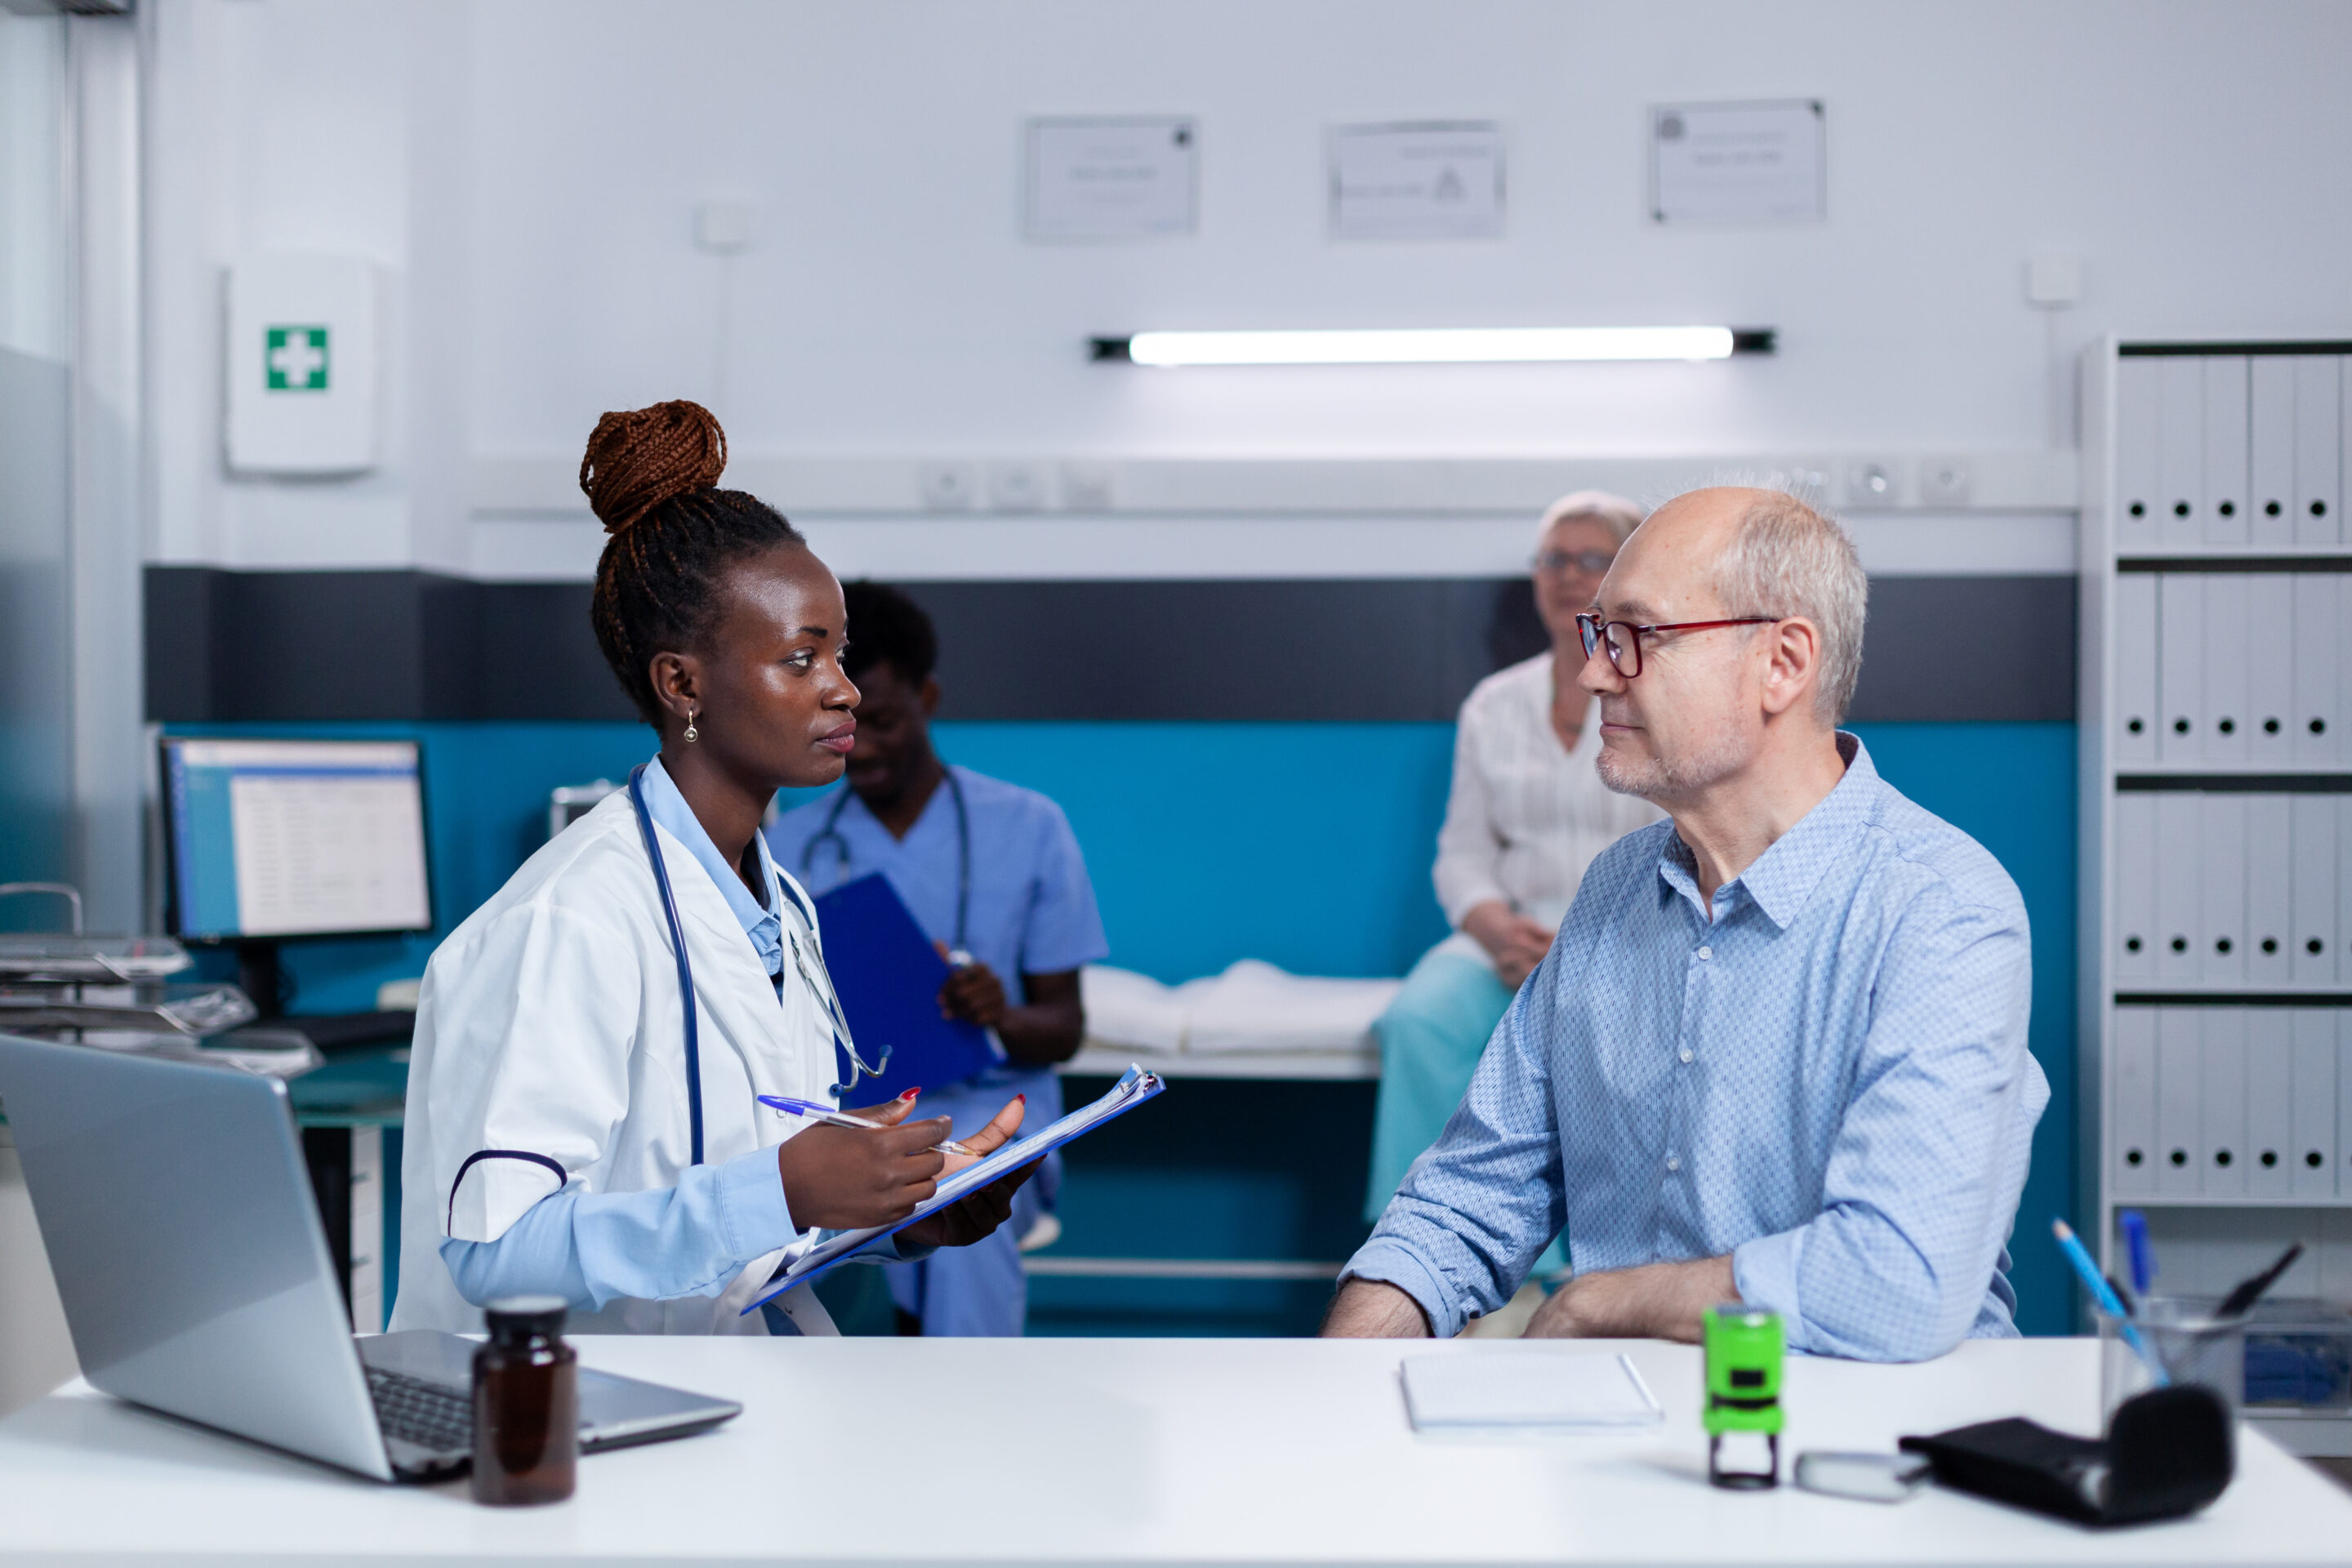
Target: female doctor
583	1113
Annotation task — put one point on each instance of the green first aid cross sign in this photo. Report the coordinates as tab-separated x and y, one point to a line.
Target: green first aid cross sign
294	359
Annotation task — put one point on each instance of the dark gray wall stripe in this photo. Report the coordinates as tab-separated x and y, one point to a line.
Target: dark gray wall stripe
241	646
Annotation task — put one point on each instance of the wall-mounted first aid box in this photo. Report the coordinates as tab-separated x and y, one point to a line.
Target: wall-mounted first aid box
301	364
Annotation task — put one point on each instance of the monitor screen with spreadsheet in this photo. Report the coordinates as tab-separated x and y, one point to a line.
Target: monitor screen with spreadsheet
282	838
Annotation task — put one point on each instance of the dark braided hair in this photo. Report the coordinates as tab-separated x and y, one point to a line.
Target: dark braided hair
651	476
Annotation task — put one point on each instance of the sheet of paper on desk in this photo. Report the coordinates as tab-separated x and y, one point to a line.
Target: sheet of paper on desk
1125	1095
1559	1391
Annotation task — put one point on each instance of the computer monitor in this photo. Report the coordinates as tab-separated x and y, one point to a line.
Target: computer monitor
271	838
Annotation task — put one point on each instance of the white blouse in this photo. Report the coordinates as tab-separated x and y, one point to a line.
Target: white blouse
1525	815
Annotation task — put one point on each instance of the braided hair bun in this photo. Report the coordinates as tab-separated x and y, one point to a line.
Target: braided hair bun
651	476
638	460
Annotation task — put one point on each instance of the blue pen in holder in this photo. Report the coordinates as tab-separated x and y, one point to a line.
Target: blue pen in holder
2179	1334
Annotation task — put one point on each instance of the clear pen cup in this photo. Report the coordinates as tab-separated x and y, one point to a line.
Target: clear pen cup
2179	1334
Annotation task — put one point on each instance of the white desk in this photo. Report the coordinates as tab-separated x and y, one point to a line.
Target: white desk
1160	1451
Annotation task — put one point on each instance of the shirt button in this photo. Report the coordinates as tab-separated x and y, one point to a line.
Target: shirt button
1673	1163
1706	953
1686	1053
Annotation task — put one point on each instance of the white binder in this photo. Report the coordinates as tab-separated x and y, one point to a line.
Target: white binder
2270	677
2225	450
2220	843
2312	660
2338	944
2132	1096
2270	897
2339	725
2270	451
2138	481
2311	840
2178	869
2134	954
2181	659
2180	458
2221	1114
2135	706
2224	678
2179	1081
2318	432
2323	1071
2270	1102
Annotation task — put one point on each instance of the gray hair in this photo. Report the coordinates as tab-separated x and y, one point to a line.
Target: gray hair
1788	560
1615	513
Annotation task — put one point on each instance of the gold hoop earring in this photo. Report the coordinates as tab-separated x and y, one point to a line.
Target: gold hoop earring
689	727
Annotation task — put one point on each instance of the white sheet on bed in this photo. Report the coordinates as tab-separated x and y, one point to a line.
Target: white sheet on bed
1251	1007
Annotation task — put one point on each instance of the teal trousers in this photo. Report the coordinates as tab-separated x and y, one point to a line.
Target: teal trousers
1431	1039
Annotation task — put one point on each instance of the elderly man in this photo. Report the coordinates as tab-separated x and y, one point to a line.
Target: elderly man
1776	1052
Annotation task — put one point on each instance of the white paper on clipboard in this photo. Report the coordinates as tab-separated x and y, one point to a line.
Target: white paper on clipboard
1128	1092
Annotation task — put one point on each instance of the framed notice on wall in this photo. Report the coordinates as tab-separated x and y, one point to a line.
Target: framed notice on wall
1738	162
1440	180
1110	179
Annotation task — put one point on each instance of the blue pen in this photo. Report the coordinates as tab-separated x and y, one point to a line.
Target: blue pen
817	1110
2105	1298
2143	1258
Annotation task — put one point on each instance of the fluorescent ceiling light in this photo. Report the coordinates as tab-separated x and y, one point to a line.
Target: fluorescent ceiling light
1439	346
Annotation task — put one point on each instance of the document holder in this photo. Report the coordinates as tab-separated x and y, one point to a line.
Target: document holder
1128	1092
888	976
2166	1454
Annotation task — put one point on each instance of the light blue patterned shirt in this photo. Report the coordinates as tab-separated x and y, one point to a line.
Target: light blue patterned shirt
1828	1081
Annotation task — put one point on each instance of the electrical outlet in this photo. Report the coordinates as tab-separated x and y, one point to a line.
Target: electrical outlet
1873	482
1088	486
1946	481
723	228
1017	487
947	487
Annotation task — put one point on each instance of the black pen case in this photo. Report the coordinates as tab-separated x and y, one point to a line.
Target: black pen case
2167	1453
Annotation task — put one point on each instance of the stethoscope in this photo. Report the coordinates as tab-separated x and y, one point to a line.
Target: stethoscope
822	989
831	829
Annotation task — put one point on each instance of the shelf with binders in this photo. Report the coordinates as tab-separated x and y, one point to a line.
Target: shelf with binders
2216	836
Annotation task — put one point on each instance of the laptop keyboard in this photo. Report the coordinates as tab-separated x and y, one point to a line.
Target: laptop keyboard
430	1415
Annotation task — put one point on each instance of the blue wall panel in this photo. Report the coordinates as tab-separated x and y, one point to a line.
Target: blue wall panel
1305	845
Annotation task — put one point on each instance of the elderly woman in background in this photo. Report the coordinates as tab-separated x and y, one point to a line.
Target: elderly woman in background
1526	815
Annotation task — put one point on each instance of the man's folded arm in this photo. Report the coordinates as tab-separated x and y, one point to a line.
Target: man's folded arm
1476	1210
1897	1265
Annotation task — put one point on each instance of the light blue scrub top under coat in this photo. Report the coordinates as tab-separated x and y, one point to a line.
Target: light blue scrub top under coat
1031	911
666	1242
1033	908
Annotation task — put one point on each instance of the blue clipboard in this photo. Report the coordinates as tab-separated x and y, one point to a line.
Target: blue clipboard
1132	1090
887	975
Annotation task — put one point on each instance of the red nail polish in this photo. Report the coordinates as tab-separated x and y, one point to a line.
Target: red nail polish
1020	1100
912	1092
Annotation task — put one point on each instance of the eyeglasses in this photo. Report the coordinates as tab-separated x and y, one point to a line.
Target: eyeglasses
1590	563
1624	639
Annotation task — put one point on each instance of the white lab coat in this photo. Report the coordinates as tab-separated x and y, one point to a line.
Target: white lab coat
549	1026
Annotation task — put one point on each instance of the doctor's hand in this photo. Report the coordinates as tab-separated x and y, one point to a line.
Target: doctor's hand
967	1220
1517	942
847	1178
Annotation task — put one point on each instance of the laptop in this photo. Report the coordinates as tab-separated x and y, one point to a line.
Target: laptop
186	1245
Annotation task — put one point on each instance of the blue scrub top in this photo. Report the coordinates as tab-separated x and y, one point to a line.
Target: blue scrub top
1032	910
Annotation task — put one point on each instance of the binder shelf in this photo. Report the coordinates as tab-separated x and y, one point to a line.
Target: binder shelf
2216	811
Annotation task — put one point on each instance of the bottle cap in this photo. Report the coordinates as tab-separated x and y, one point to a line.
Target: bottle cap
526	1315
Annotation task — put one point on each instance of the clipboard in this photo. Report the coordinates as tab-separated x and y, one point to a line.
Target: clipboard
888	976
1132	1090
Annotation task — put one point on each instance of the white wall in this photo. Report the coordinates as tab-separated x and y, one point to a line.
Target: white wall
529	169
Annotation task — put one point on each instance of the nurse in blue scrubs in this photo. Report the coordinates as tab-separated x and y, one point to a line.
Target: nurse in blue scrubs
1028	920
